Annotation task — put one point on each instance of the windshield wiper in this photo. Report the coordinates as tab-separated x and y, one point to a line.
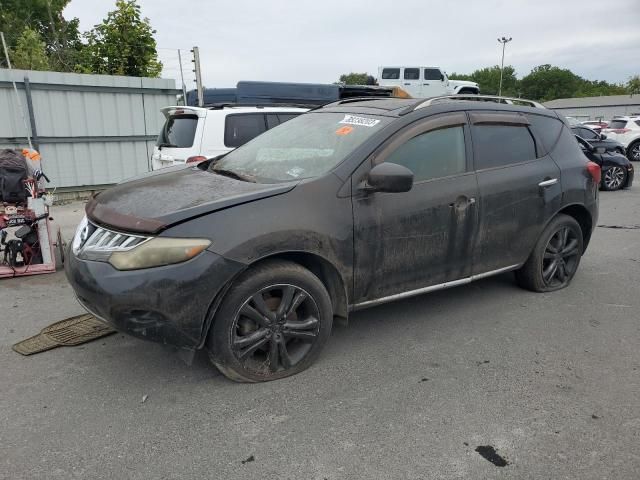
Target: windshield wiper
232	174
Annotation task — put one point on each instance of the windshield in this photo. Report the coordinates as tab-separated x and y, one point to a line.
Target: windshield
178	131
307	146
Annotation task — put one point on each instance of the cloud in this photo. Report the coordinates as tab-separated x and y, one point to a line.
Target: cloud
316	41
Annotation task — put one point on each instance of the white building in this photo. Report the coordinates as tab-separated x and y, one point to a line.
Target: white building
596	108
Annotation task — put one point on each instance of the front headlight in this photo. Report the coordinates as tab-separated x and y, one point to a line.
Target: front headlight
157	252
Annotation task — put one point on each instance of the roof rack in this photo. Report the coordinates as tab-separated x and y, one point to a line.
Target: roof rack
222	105
480	98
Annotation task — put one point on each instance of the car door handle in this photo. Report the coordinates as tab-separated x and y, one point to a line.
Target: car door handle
548	183
407	84
462	203
425	84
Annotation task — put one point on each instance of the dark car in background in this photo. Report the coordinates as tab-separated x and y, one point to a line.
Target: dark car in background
358	203
617	170
596	125
598	139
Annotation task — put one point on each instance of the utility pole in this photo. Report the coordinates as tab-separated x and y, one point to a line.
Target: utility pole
196	61
184	87
503	41
15	89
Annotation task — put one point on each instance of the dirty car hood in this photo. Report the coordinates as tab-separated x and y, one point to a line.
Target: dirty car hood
157	201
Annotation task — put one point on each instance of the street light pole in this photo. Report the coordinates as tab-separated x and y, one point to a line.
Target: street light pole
503	41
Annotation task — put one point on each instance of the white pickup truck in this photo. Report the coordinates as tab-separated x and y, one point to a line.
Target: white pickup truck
424	82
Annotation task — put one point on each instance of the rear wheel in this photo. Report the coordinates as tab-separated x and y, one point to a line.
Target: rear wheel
633	151
555	257
272	323
614	178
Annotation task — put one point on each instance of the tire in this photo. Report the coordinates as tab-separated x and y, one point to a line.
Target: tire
60	246
633	151
252	340
538	274
615	178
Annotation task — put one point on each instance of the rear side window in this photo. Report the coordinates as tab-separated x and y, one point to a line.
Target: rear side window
432	74
500	145
391	74
586	133
178	131
275	119
434	154
546	129
617	124
411	73
239	129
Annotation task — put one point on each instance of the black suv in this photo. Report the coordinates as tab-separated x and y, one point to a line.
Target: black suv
361	202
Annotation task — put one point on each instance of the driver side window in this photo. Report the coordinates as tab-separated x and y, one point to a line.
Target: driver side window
434	154
588	134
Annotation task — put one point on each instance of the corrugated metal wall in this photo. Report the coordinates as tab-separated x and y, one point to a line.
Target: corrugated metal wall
92	129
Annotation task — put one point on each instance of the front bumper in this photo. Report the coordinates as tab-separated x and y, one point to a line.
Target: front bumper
166	304
630	175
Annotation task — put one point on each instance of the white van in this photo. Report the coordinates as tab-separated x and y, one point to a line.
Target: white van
193	134
424	82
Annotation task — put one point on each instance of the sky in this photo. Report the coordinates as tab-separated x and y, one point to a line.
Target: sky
317	41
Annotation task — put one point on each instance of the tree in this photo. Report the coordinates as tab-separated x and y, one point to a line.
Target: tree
61	37
546	82
489	80
122	44
357	79
633	85
30	51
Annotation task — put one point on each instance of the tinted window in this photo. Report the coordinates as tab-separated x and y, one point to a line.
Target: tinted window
391	74
432	74
588	134
546	129
434	154
285	117
638	122
272	121
499	145
617	124
239	129
411	73
275	119
178	131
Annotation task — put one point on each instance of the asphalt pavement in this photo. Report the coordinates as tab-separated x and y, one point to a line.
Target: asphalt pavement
408	390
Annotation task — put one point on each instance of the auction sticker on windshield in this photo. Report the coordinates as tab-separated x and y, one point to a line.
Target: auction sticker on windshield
361	121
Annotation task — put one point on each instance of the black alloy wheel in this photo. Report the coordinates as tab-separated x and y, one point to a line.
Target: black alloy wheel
275	329
561	258
272	323
634	151
614	178
555	258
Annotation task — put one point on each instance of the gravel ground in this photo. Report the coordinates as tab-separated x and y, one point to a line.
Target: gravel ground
408	390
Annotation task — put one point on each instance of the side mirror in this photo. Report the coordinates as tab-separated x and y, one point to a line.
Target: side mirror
600	150
390	178
442	77
603	136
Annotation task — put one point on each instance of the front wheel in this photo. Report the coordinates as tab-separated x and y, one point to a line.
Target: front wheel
614	179
272	323
555	257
